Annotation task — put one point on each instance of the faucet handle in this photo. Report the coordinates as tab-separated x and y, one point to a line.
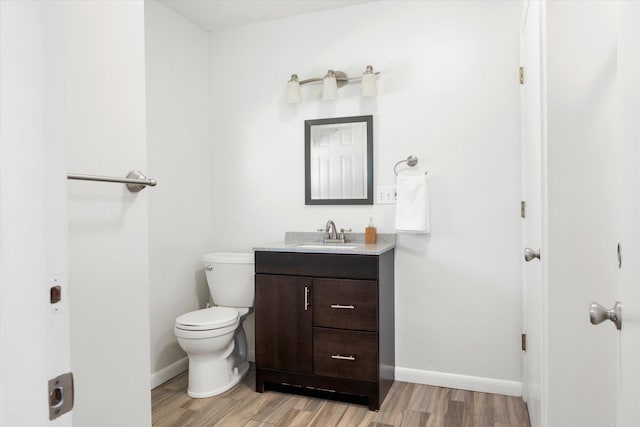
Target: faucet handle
323	229
342	236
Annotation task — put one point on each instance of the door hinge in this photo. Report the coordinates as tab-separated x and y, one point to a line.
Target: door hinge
524	342
521	75
60	395
523	209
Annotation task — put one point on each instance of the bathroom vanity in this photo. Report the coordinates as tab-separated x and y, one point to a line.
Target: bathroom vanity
324	320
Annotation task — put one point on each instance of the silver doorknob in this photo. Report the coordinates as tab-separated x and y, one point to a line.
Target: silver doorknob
530	254
598	314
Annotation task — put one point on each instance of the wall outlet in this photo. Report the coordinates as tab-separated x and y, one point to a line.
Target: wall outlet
385	194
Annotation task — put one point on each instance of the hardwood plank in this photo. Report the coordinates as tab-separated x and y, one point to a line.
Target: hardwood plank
328	414
274	409
170	419
466	397
500	413
435	420
169	407
454	414
243	410
211	414
483	410
252	423
517	411
178	383
293	418
414	418
356	415
510	411
310	404
418	397
394	405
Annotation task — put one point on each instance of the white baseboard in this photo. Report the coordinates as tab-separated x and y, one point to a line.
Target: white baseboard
463	382
165	374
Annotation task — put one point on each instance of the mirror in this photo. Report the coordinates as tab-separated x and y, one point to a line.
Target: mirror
339	161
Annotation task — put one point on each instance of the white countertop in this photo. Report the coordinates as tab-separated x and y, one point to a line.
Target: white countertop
303	242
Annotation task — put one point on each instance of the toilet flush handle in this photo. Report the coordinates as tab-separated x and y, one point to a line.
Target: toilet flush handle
209	267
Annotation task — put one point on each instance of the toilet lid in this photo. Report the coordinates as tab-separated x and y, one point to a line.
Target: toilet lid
229	258
207	318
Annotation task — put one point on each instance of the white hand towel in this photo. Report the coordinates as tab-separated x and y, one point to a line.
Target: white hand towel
412	204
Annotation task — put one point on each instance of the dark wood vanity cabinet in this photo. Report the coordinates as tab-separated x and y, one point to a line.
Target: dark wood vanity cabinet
325	322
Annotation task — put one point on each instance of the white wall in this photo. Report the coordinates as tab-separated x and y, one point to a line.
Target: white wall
108	225
178	153
449	95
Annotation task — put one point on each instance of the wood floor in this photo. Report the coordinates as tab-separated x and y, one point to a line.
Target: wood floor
406	404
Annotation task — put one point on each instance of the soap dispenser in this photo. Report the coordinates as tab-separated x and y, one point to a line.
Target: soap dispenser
370	233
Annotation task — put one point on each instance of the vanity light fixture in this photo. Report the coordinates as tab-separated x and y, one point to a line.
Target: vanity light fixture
330	84
369	86
293	90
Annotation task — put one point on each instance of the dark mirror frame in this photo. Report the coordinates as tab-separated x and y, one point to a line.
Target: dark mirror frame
307	161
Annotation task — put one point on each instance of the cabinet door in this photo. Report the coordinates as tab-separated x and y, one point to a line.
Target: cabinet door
283	323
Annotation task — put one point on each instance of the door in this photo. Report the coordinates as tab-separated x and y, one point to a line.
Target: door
591	185
34	328
531	134
283	323
580	115
629	209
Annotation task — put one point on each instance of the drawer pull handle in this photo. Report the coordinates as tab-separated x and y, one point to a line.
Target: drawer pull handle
306	298
340	357
350	307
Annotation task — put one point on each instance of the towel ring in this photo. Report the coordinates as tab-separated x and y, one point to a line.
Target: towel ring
411	161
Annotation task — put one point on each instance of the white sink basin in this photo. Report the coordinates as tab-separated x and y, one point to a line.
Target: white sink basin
320	246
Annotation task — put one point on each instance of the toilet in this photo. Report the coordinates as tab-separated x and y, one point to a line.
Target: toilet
213	337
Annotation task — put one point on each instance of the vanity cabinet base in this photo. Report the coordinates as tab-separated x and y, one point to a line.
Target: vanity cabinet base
315	385
324	325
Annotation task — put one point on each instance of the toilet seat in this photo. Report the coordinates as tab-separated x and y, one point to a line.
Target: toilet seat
207	319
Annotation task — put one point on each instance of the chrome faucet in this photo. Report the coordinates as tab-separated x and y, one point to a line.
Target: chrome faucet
331	234
331	230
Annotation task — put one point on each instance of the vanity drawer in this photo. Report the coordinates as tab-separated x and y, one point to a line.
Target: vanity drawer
345	354
317	265
345	304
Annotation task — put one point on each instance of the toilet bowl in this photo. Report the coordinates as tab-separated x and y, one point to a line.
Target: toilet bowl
207	338
213	338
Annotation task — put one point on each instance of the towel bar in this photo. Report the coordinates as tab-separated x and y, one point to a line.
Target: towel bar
135	180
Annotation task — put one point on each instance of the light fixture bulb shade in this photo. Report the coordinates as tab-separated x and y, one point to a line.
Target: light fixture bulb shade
369	85
329	86
293	92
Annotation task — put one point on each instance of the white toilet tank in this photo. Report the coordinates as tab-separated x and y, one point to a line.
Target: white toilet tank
230	278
